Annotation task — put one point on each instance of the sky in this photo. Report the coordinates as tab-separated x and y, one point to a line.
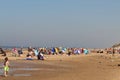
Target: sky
67	23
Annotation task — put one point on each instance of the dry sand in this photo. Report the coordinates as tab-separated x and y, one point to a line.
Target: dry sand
61	67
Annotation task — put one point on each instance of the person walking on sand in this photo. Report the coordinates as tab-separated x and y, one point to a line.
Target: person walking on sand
6	66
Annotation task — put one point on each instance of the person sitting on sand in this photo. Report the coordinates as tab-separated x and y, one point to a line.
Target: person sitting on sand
40	55
30	49
69	52
3	52
15	52
29	57
20	52
6	66
85	51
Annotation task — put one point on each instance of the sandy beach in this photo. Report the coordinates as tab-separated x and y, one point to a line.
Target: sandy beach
62	67
59	40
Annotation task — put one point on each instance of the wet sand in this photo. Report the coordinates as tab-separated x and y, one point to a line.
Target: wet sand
62	67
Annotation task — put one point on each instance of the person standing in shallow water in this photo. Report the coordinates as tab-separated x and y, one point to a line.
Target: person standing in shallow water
6	66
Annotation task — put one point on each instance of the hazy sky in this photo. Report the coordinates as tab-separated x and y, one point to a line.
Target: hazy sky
69	23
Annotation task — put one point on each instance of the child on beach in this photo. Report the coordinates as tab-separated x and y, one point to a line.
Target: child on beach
6	66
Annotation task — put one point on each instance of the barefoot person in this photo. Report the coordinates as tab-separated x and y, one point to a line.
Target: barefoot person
6	67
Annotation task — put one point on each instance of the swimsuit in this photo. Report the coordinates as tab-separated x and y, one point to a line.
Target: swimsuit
6	68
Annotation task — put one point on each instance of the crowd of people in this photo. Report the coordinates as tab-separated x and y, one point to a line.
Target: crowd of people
60	50
40	52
